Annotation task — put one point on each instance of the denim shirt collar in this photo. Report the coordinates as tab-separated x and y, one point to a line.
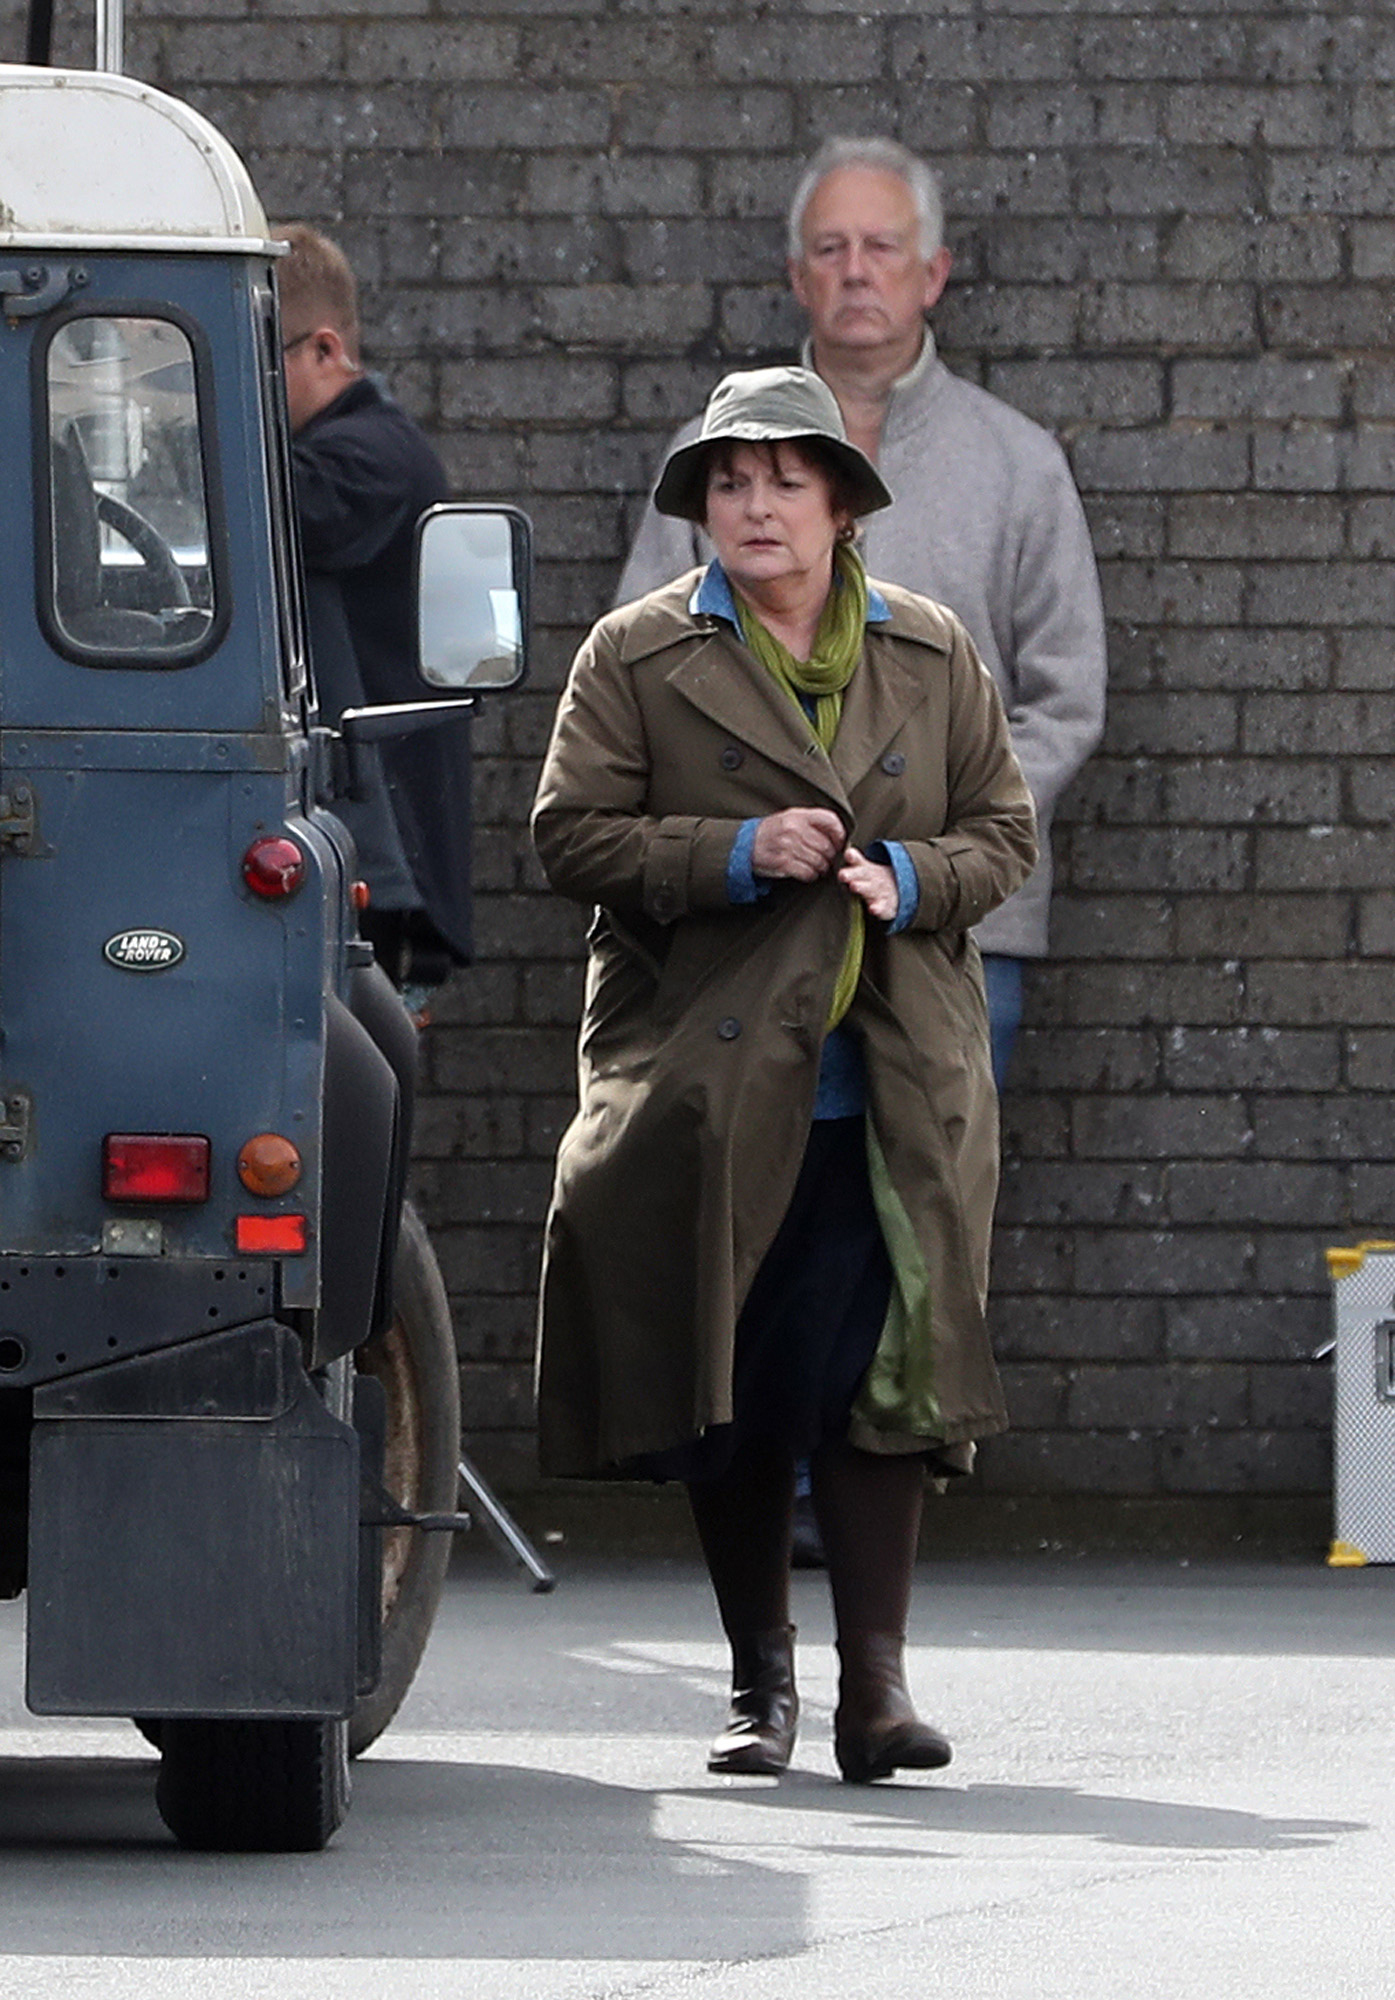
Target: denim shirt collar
713	599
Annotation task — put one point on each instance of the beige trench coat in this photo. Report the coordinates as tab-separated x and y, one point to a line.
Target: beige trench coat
704	1021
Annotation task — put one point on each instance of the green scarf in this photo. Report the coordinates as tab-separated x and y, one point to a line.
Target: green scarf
824	675
899	1396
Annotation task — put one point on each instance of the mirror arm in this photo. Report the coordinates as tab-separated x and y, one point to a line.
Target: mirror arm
401	718
340	765
331	775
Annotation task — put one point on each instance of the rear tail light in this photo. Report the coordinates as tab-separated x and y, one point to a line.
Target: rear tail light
273	866
271	1235
155	1166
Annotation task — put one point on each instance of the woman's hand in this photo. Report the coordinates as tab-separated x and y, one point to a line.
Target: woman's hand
874	881
801	843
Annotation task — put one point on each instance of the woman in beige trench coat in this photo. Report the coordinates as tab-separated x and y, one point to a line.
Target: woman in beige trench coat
787	794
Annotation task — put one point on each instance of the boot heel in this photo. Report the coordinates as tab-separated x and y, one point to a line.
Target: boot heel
758	1739
914	1746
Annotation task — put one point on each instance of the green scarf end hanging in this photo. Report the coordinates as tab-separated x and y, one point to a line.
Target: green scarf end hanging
898	1396
824	676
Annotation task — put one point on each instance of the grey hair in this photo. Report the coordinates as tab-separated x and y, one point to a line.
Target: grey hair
884	156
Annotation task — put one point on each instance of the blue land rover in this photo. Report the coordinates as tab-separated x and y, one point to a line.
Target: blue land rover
220	1405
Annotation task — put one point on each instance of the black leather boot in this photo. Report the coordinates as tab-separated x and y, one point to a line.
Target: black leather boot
743	1523
759	1734
875	1727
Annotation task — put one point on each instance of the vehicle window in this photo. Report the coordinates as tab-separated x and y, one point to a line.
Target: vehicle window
130	571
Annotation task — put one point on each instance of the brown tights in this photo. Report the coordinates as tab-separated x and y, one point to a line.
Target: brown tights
868	1509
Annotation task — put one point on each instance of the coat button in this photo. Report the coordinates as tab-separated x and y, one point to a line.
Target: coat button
664	902
732	758
729	1028
893	763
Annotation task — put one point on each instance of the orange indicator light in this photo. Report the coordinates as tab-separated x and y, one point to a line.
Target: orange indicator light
268	1165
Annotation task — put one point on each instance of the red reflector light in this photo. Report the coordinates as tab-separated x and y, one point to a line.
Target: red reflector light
273	867
271	1235
155	1166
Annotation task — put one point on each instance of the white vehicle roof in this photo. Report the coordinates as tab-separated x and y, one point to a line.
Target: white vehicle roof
93	161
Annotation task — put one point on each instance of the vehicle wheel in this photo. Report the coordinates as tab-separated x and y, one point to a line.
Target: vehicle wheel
415	1361
239	1787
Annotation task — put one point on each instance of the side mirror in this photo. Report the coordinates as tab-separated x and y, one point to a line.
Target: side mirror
474	569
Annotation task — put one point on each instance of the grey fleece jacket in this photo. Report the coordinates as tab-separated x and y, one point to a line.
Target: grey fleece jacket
986	520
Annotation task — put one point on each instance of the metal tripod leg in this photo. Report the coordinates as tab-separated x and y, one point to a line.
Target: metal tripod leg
501	1527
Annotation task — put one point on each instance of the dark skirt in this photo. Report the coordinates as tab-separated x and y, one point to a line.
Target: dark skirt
811	1323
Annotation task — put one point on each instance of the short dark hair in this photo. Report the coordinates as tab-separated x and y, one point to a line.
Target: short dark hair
316	286
843	493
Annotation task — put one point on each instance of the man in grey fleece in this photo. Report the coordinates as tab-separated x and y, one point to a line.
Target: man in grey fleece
986	517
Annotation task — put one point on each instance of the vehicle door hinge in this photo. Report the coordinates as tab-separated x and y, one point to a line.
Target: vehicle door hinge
38	288
19	818
16	1124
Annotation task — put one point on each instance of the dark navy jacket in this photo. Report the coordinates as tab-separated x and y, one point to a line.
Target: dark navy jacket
364	474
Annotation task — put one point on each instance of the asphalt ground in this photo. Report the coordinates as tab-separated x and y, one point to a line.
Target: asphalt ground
1172	1778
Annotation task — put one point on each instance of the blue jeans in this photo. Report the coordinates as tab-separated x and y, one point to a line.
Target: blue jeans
1002	979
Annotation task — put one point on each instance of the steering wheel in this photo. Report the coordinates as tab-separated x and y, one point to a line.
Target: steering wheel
165	581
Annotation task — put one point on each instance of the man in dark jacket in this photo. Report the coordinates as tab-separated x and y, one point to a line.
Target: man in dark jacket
364	474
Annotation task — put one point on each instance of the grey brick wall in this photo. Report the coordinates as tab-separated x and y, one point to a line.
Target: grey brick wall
1174	246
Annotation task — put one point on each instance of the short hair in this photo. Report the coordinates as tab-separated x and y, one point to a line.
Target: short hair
883	156
844	494
315	285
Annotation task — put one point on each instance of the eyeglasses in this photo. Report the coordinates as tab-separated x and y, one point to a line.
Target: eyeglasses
289	346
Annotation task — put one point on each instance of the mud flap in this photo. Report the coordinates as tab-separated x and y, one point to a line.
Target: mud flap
193	1540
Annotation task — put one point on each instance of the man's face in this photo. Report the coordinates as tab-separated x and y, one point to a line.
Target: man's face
317	369
861	276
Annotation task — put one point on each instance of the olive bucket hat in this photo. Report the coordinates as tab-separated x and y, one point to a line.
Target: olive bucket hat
766	406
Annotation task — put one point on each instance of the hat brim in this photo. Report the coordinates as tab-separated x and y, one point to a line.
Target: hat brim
682	487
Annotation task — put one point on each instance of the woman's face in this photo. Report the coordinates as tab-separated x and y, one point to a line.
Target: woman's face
770	515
